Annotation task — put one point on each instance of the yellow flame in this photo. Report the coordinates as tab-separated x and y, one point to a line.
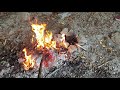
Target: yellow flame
39	32
44	39
29	62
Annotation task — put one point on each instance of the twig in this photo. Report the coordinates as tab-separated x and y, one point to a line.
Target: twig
40	69
99	66
40	66
49	74
80	47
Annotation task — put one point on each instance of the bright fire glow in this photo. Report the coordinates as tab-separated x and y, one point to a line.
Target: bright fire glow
44	38
29	62
39	32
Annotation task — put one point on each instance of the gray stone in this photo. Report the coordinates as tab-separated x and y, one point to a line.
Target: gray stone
82	40
72	48
24	16
64	15
116	38
64	31
4	71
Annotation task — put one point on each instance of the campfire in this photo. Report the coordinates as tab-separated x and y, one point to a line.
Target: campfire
44	43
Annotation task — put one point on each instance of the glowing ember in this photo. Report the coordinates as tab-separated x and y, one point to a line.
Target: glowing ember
29	62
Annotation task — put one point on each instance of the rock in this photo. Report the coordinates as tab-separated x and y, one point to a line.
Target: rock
62	57
1	73
24	16
11	32
4	71
1	45
70	33
64	73
5	64
35	75
2	34
46	13
117	18
64	15
64	31
20	60
82	40
116	38
57	37
3	14
93	57
38	60
114	66
72	48
66	44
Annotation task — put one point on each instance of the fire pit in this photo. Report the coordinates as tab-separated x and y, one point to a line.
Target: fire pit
47	46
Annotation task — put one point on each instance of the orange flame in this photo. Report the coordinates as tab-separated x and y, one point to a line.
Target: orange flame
39	32
44	39
29	62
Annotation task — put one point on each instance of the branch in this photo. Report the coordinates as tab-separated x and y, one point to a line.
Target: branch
40	69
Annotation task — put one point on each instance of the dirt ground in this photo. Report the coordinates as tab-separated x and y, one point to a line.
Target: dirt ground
98	32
